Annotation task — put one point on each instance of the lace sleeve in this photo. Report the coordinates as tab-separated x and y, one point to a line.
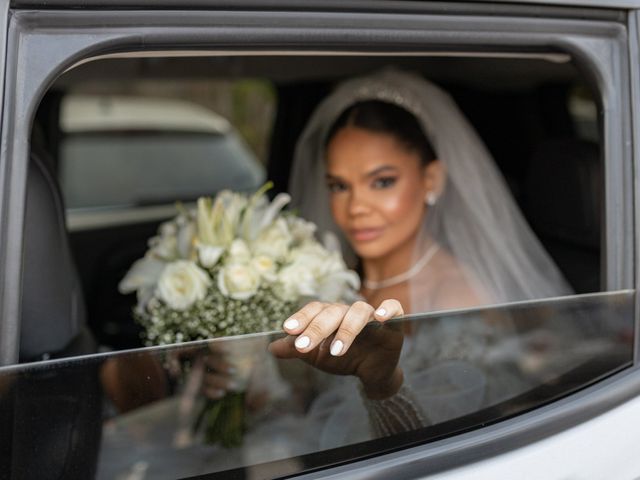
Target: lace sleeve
396	414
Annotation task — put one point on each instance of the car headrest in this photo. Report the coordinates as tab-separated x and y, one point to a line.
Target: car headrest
563	192
52	303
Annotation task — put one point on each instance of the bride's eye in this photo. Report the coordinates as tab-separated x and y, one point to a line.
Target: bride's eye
384	182
336	187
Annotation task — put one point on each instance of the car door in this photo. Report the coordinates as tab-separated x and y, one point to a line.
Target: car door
553	363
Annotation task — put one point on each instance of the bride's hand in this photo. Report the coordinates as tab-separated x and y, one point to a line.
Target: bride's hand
316	321
333	338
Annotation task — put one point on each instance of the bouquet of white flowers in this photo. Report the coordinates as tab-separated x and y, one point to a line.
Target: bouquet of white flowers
237	264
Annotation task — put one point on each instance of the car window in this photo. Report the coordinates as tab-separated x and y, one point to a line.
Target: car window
463	370
128	151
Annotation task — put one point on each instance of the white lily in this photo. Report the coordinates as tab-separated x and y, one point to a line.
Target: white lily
260	214
214	226
185	239
143	273
234	206
208	255
142	278
273	241
301	230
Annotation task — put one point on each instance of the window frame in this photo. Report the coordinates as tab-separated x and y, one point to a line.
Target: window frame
634	55
42	44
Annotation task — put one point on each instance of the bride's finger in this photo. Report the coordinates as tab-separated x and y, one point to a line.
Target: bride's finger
284	348
388	309
323	325
358	315
297	322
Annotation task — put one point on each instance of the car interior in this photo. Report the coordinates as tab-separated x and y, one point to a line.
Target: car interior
538	113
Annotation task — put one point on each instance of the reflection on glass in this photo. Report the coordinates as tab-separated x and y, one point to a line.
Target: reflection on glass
460	370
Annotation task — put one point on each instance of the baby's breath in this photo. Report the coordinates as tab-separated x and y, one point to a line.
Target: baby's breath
215	316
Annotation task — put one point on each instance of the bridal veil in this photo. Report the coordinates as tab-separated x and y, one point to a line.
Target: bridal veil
475	218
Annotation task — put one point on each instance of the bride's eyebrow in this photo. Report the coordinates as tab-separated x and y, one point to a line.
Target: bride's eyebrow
382	169
329	177
372	173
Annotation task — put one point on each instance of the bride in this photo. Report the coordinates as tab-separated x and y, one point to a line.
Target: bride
390	165
419	204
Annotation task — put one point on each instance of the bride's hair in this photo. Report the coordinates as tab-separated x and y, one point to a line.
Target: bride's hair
383	117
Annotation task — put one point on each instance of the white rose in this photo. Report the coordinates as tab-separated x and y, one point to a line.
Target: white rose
316	272
265	266
274	241
209	255
239	252
182	283
312	255
296	280
238	280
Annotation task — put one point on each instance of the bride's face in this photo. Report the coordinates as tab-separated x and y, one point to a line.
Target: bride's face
377	189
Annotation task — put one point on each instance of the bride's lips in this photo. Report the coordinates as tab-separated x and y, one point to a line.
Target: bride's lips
365	234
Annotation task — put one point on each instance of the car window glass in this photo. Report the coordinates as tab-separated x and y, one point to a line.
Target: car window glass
462	369
161	410
130	149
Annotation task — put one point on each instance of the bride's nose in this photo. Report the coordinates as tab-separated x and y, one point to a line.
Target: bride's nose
358	203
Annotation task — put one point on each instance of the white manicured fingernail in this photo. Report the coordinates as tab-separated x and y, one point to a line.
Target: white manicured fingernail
336	348
291	324
381	312
303	342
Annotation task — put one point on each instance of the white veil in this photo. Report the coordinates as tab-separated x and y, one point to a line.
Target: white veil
475	218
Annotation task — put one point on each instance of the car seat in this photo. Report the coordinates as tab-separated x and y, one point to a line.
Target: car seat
50	417
563	202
